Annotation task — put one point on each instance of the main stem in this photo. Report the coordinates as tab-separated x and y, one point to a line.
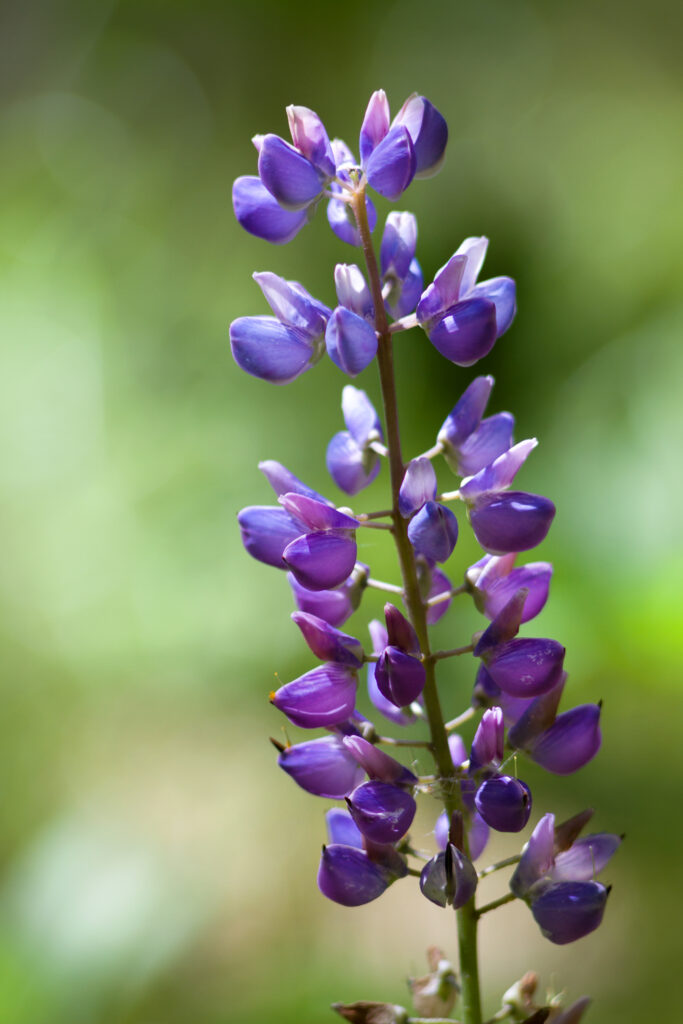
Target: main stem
466	916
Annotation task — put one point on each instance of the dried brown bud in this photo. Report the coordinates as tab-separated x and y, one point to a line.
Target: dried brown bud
434	995
520	996
371	1013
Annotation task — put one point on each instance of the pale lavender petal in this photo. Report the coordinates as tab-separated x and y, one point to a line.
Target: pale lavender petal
265	348
417	487
500	473
310	138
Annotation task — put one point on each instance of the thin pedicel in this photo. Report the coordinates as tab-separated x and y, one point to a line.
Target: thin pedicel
519	681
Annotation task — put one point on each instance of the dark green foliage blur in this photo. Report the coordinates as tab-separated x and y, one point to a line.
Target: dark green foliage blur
156	864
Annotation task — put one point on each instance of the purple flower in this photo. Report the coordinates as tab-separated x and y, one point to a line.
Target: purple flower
334	606
352	463
266	532
328	643
324	558
504	803
323	767
511	521
400	677
347	875
572	740
323	697
568	911
428	131
400	632
433	532
525	667
463	319
351	341
556	854
383	812
494	582
289	177
321	560
260	214
280	348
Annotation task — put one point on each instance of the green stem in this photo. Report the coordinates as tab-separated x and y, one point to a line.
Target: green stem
466	916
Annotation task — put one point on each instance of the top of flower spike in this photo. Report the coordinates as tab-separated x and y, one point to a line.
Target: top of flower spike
292	177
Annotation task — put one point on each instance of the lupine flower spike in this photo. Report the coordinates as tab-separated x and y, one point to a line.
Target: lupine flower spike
519	679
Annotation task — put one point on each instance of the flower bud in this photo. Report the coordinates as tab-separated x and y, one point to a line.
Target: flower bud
417	487
328	643
323	767
288	176
399	716
261	215
433	531
311	139
439	584
400	677
489	741
375	124
566	911
449	878
399	241
353	292
382	812
511	521
323	697
351	341
400	632
504	803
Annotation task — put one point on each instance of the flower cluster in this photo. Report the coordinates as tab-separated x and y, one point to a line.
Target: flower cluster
518	681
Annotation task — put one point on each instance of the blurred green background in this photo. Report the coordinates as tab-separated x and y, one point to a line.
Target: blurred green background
156	864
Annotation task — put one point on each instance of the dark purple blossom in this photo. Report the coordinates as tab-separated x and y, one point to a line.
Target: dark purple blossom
504	803
433	531
323	767
383	812
323	697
